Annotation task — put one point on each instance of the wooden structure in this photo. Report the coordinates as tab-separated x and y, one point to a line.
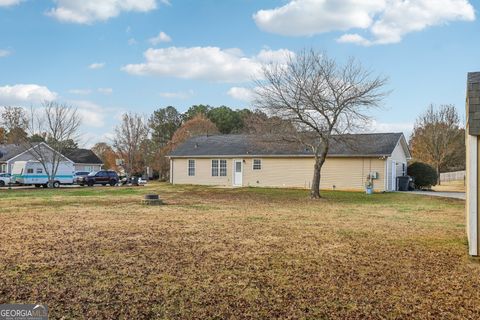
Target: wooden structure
473	162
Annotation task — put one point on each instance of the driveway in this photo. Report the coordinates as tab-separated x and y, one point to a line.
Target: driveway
444	194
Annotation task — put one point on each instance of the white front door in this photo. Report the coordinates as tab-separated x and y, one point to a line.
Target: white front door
237	172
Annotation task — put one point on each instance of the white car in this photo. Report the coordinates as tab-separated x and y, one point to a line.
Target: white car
5	179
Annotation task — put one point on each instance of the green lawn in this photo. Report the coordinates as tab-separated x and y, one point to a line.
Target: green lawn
97	253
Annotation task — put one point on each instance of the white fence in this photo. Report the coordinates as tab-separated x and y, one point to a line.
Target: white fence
452	176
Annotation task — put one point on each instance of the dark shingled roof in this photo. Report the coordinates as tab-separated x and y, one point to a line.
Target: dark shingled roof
8	151
83	156
351	145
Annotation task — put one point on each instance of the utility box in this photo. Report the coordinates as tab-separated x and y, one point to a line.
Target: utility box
473	162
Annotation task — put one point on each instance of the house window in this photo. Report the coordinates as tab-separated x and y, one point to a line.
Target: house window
219	168
30	170
404	169
3	168
223	168
257	164
191	168
214	168
39	171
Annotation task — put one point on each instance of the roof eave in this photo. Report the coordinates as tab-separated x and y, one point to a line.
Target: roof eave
280	156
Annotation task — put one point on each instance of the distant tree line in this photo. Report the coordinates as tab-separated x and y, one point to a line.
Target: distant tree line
138	141
143	142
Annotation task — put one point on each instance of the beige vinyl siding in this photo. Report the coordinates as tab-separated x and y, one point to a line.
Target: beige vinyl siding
203	172
344	173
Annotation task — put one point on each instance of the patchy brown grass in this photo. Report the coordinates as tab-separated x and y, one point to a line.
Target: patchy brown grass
451	186
236	253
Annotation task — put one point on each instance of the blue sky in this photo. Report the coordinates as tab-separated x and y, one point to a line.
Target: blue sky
110	56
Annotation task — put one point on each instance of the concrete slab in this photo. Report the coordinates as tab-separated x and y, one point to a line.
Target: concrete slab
443	194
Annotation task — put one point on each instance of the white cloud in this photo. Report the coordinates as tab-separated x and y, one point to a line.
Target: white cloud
92	114
161	37
96	65
8	3
354	38
387	21
88	138
25	94
309	17
241	93
205	63
89	11
177	95
132	42
405	127
4	53
85	92
82	92
105	90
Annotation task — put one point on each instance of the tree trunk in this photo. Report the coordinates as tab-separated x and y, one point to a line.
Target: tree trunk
315	190
439	182
319	161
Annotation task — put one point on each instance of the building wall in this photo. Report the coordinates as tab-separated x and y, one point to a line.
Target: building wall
399	156
472	142
396	165
343	173
203	172
88	167
27	156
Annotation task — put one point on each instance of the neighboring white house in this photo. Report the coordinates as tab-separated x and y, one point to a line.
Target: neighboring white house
11	153
83	159
248	160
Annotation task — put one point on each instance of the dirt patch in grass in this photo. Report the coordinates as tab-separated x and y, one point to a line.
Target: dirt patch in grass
236	253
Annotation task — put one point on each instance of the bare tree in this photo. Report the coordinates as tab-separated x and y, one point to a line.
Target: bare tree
131	142
258	123
59	125
438	138
15	122
320	98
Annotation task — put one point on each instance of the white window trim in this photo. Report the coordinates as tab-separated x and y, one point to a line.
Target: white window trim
194	168
253	164
218	168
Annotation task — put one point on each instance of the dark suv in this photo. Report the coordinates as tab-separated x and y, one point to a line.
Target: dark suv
103	177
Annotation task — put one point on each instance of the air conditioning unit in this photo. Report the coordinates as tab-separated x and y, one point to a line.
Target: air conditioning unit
373	175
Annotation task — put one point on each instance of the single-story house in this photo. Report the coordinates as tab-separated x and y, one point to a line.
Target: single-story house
84	160
10	153
7	152
247	160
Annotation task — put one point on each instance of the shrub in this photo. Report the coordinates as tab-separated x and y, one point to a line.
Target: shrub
424	174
